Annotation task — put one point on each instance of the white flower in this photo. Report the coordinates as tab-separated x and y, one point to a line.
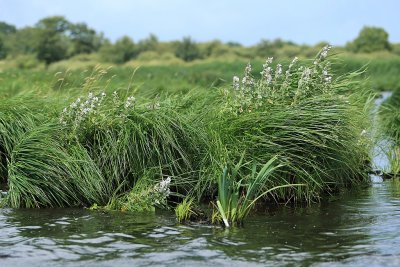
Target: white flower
163	187
236	82
267	71
129	101
90	96
165	183
247	79
85	110
278	70
247	70
306	73
324	52
363	132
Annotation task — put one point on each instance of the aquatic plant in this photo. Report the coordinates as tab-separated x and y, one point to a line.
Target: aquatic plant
237	196
184	210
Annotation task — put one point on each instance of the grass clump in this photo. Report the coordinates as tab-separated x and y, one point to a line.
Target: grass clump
389	122
184	211
39	170
237	196
389	115
309	119
393	156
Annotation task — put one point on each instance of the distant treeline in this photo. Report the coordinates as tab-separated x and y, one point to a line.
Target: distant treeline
55	38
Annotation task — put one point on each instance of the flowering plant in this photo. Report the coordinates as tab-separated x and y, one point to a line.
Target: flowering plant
298	82
145	198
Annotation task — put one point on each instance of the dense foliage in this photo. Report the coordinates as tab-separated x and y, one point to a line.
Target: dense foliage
370	39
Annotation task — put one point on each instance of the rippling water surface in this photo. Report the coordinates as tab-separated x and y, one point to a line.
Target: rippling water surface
362	228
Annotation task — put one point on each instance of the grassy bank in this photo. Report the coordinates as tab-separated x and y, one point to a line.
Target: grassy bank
102	137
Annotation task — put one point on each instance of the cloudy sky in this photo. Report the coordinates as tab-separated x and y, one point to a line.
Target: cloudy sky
247	22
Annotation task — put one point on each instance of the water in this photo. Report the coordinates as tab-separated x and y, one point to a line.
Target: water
357	228
362	228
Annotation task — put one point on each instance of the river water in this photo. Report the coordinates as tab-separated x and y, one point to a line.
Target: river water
360	228
356	228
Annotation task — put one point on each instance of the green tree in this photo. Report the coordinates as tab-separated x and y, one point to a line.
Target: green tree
51	47
123	50
369	40
148	44
187	50
267	48
55	24
6	29
211	48
24	41
84	39
52	41
3	52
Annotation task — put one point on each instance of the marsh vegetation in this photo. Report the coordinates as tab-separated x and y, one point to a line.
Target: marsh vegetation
189	126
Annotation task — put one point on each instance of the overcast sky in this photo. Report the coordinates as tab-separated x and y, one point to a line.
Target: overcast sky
247	22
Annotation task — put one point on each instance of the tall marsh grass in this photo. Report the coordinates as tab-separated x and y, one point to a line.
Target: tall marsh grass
311	120
389	122
109	147
389	117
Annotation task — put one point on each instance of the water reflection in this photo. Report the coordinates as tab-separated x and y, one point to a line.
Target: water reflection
361	227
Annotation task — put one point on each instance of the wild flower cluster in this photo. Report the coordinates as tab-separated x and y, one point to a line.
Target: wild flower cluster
81	109
298	82
161	191
145	198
